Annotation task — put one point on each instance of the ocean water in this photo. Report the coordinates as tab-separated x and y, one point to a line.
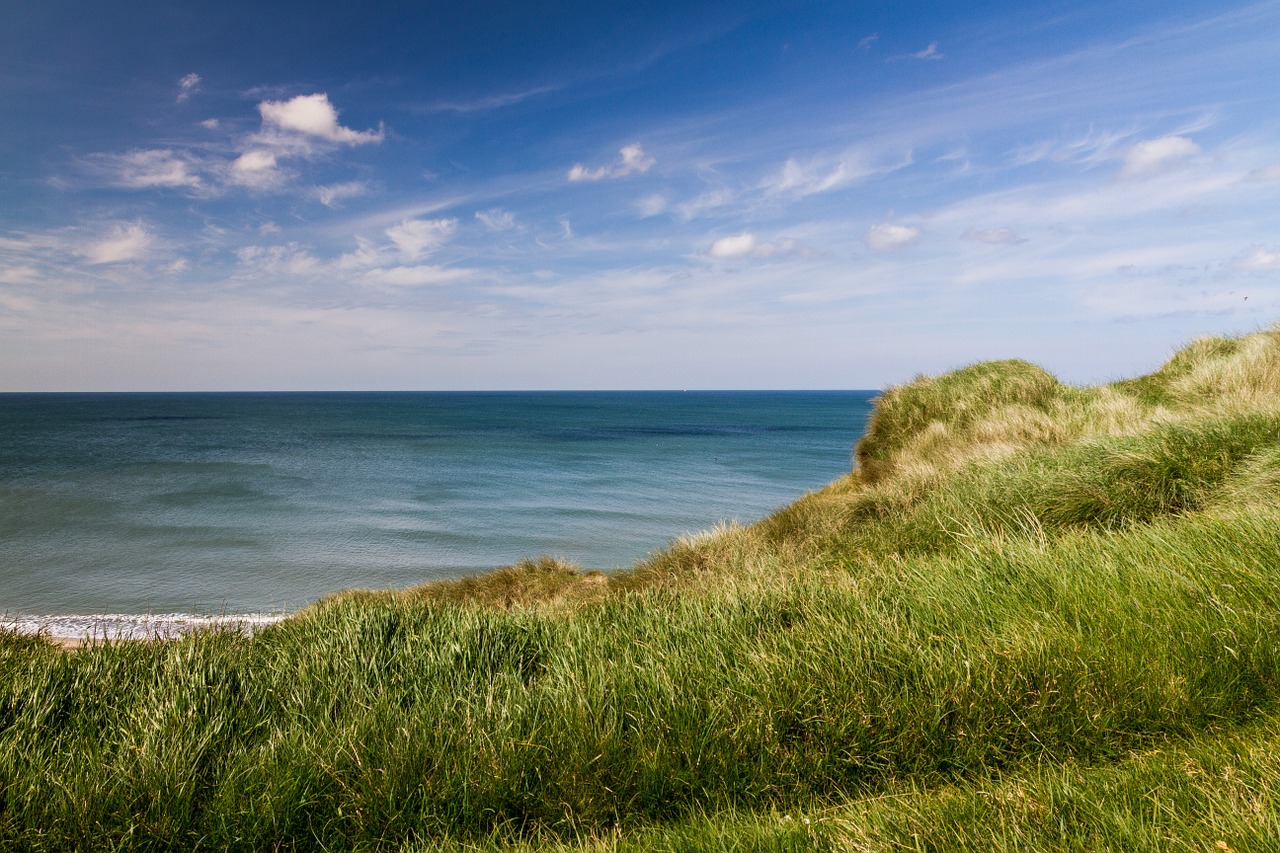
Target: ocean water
154	505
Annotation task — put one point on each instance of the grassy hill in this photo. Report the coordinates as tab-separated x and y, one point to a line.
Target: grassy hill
1033	617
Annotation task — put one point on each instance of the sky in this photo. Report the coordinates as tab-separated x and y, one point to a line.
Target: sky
582	195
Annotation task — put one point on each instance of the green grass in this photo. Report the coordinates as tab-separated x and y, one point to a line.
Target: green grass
1036	617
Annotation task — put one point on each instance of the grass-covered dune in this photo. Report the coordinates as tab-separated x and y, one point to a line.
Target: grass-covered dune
1033	617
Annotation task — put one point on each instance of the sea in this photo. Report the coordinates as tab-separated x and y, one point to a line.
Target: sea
149	514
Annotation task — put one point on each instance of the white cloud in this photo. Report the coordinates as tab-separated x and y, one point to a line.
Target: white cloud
1266	173
733	247
810	179
145	169
414	237
1096	146
887	237
994	236
866	41
707	201
631	160
497	219
330	194
127	242
828	173
747	244
268	228
18	275
415	276
257	169
1152	156
652	205
930	52
292	259
188	86
490	102
1257	260
315	116
210	124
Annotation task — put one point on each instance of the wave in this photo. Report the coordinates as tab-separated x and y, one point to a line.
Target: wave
120	626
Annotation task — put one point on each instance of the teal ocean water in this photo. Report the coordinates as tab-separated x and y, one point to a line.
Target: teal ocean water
232	504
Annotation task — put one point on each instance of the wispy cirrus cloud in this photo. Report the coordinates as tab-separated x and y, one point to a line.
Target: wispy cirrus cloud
150	168
188	86
415	276
497	219
414	238
930	52
822	174
992	236
125	242
331	195
488	102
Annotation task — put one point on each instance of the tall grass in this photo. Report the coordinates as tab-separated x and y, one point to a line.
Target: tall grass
1024	588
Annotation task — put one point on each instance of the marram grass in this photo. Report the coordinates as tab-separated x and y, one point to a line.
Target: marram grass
1035	617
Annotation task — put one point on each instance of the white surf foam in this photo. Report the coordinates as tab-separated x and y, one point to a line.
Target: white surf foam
119	626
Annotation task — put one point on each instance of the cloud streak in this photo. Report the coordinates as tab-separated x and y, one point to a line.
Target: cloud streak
188	86
631	161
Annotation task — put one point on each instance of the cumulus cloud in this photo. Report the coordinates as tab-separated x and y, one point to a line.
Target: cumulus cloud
127	242
188	86
331	194
993	236
1153	156
496	219
313	116
631	160
268	228
416	237
930	52
210	124
747	244
1258	259
149	168
887	237
257	169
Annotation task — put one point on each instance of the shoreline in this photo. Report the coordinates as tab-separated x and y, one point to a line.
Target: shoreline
71	631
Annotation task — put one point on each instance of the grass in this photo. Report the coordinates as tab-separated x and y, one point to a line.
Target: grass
1034	617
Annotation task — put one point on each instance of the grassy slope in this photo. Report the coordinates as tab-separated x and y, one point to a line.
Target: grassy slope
1034	617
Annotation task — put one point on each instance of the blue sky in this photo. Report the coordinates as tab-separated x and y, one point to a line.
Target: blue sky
493	195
